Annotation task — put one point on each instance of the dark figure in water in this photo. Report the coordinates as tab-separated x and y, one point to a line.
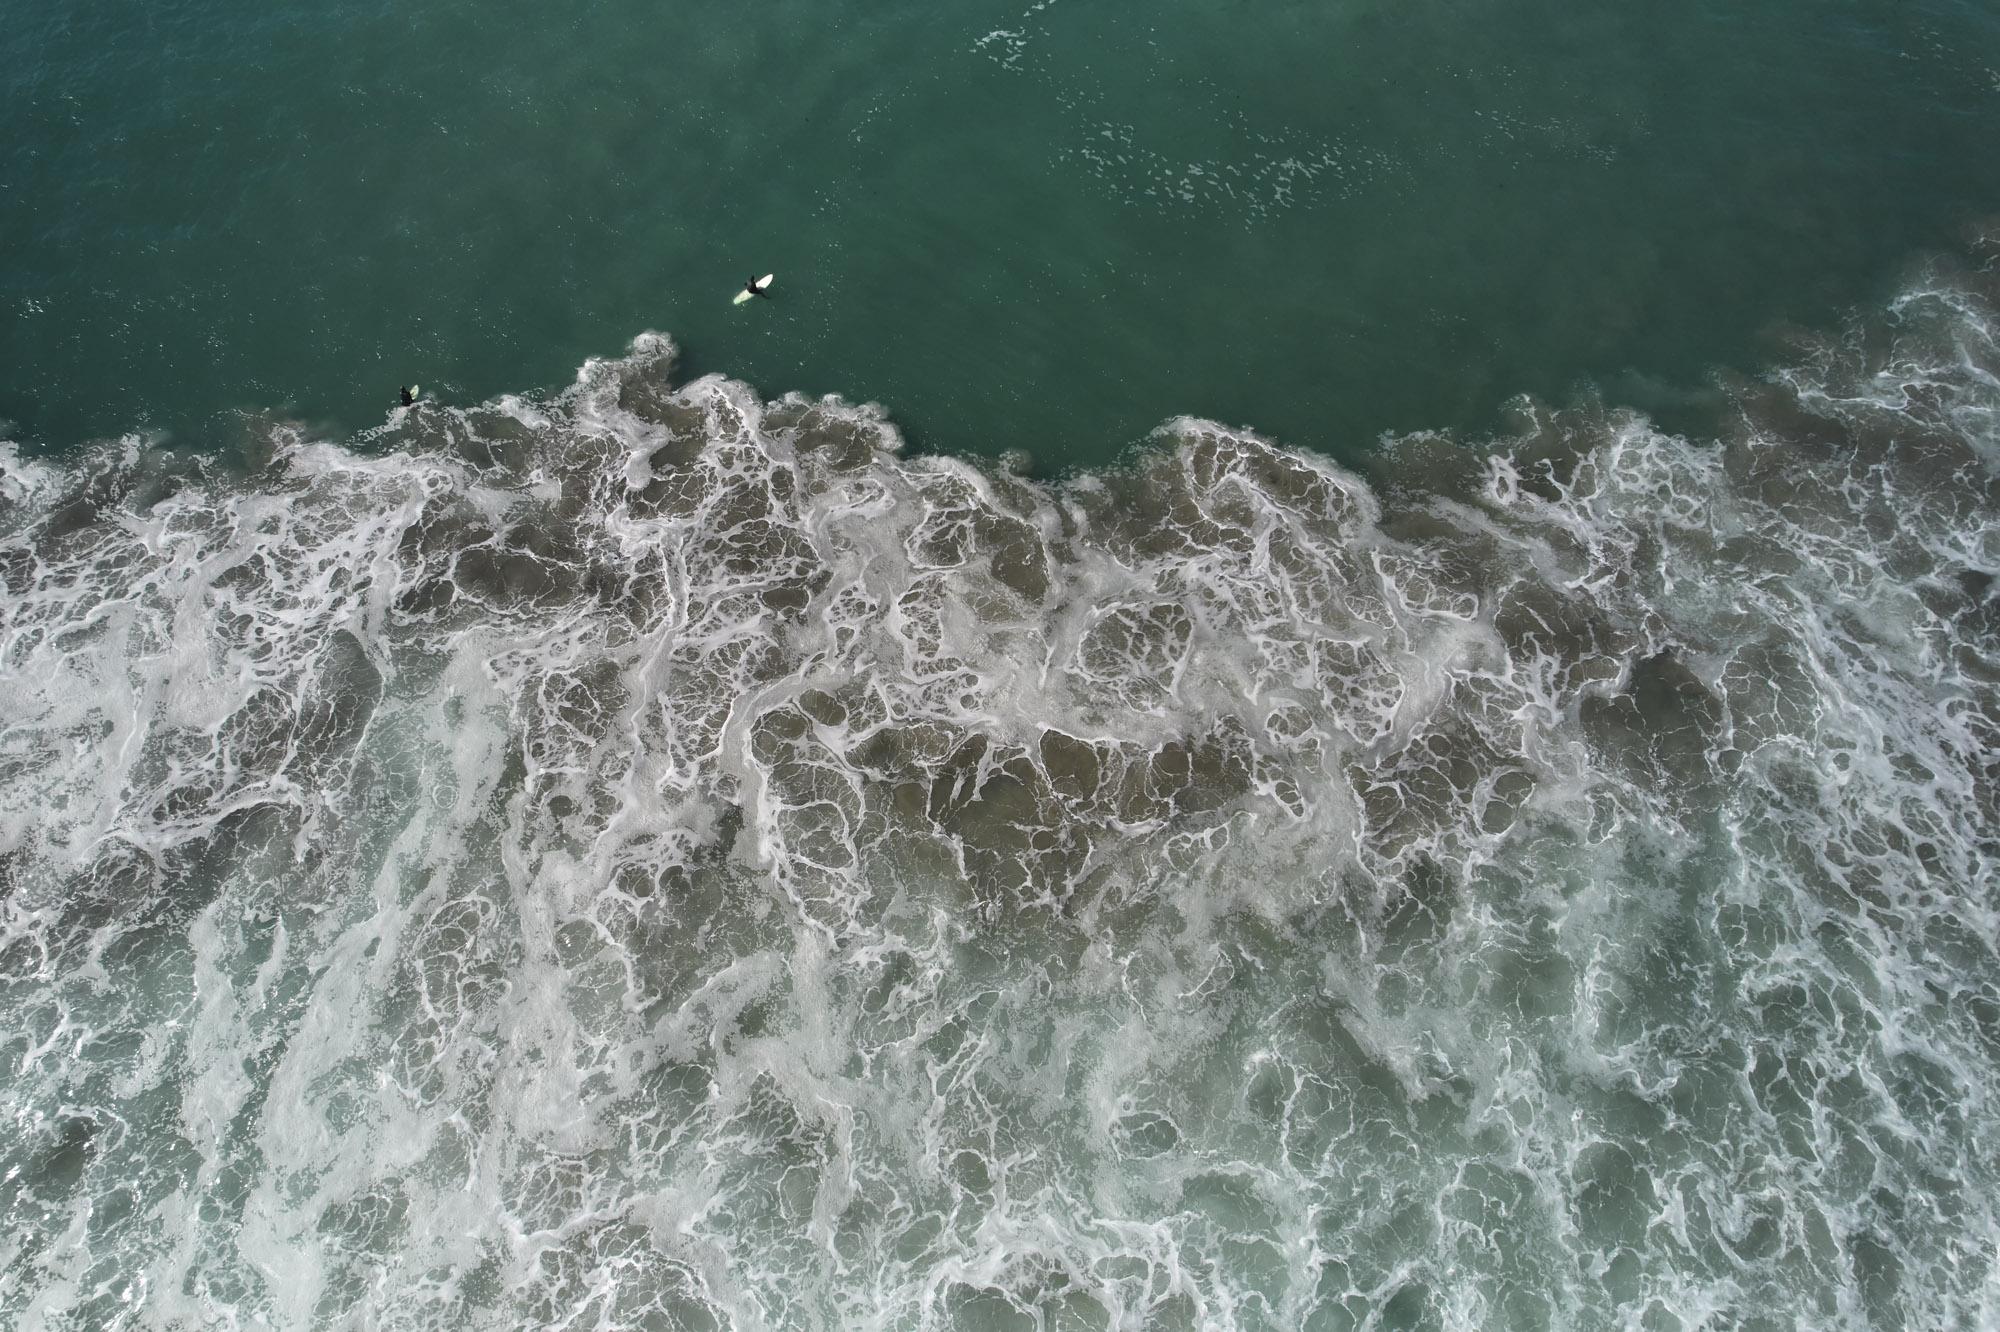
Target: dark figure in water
409	398
750	285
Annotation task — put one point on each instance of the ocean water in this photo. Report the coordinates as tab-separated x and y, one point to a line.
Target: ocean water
1019	224
657	840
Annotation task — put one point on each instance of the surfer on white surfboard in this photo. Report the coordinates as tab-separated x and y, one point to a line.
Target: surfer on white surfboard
756	286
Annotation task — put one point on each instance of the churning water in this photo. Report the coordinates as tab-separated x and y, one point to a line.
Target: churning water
656	858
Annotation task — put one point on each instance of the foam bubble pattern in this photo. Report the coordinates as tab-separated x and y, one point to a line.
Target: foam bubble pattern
656	858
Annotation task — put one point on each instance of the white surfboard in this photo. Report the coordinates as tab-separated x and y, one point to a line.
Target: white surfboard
762	283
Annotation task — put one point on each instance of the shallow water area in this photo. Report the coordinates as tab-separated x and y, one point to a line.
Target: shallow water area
656	857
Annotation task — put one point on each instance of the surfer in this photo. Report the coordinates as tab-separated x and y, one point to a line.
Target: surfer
755	286
409	395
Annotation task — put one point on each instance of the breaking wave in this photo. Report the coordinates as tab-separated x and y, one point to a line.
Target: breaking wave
658	858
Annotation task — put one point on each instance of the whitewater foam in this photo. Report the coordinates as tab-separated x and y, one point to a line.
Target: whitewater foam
659	858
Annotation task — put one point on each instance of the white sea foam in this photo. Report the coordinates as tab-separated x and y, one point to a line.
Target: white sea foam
659	858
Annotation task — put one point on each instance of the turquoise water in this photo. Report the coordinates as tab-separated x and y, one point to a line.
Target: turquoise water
638	842
1040	227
